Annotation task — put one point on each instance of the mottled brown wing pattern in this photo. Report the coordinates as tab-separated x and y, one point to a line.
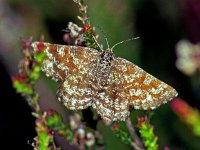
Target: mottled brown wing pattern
109	104
52	70
73	66
48	65
76	92
142	90
61	60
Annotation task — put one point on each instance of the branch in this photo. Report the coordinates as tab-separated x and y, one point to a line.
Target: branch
137	144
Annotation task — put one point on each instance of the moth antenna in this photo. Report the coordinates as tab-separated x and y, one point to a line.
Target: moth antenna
135	38
96	42
106	39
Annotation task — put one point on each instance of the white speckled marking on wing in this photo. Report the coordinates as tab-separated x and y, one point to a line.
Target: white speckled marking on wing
61	60
142	90
75	92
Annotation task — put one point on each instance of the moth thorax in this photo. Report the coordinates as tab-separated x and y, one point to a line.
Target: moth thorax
106	57
104	67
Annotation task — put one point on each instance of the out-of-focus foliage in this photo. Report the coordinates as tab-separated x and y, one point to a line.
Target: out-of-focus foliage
189	115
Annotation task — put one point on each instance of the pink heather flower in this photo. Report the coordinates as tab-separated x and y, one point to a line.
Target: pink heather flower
16	78
115	127
86	28
67	38
142	120
181	107
21	77
189	115
26	43
166	148
41	47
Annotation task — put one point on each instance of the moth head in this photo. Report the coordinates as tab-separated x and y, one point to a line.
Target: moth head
108	46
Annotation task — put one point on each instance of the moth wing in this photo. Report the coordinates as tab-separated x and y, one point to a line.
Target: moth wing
61	60
142	90
75	92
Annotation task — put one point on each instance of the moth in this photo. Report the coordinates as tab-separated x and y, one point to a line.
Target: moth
99	79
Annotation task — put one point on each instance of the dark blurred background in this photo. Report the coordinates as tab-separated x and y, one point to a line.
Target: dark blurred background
160	24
